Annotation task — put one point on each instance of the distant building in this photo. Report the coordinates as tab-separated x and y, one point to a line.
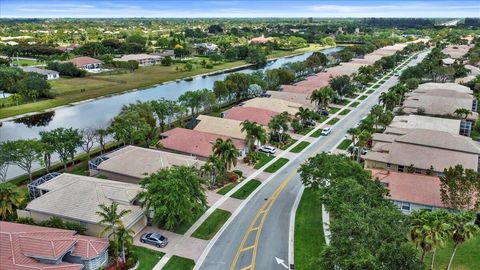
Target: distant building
457	51
206	48
33	247
258	115
169	53
142	59
448	61
69	48
261	40
273	104
401	124
49	74
87	63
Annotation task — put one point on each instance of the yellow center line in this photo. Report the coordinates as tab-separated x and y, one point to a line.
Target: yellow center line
262	213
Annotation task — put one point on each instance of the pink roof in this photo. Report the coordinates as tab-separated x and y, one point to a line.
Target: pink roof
240	113
261	39
193	142
413	188
84	60
20	244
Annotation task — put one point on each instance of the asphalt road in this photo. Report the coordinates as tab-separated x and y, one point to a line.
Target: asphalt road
260	232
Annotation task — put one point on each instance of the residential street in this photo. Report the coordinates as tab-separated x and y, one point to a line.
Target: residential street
260	232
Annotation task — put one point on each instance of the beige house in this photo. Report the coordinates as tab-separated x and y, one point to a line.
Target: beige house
221	126
414	121
76	198
420	150
131	163
273	104
143	59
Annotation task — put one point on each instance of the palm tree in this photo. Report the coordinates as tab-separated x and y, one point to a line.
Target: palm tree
463	112
124	240
279	125
440	231
10	199
226	151
376	111
304	114
255	133
212	169
463	229
389	100
354	132
322	97
363	139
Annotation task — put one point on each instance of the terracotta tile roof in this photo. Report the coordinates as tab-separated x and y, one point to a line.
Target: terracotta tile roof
193	142
20	244
413	188
84	60
259	115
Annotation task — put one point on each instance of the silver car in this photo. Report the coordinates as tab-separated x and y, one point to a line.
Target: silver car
154	239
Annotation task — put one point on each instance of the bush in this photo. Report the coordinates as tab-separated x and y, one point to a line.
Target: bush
238	172
26	220
209	66
130	65
167	61
232	177
67	69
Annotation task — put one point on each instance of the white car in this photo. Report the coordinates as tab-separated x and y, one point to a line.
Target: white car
268	149
326	131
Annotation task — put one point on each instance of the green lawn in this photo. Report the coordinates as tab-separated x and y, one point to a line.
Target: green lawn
246	190
333	110
212	224
290	142
363	97
344	144
24	62
276	165
183	227
309	240
80	169
344	112
304	132
333	121
179	263
262	160
467	257
354	104
147	258
317	133
299	148
227	188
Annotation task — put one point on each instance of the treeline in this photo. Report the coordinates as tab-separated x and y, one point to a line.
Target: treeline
23	85
399	22
66	69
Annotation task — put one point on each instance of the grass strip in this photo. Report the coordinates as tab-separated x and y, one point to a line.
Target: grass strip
276	165
333	121
344	144
226	188
179	263
212	224
354	104
344	112
300	146
147	258
246	190
262	160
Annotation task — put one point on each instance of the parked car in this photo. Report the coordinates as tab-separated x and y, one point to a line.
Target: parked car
323	112
268	149
326	131
154	239
310	123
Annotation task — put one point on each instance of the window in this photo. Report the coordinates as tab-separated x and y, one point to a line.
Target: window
418	171
389	165
405	206
401	168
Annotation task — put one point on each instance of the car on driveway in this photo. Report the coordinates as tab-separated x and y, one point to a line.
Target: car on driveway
154	239
323	112
326	131
268	149
310	123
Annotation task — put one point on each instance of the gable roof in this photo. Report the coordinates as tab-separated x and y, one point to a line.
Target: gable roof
438	87
221	126
137	162
84	60
414	121
194	142
21	245
78	197
273	104
259	115
413	188
300	98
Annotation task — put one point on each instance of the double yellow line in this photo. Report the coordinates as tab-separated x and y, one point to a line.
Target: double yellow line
257	229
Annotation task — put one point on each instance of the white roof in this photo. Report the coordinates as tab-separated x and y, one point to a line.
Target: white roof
138	57
414	121
444	86
273	104
78	197
220	126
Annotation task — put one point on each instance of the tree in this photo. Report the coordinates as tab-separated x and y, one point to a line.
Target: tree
463	229
389	100
63	141
255	134
322	97
129	127
10	199
212	169
88	139
305	115
278	126
111	218
124	242
412	83
164	109
328	41
5	160
256	56
376	112
354	132
101	135
458	187
462	112
192	100
23	153
342	85
172	196
226	151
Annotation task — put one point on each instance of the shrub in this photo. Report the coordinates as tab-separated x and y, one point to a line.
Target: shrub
26	220
232	177
209	66
167	61
238	172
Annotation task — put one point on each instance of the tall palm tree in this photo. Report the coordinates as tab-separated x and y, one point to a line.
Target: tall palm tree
389	100
440	231
304	114
255	133
279	125
376	111
463	229
363	139
462	112
10	199
124	240
226	151
354	132
322	97
212	169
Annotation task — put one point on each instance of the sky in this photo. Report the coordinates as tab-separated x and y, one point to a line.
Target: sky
239	8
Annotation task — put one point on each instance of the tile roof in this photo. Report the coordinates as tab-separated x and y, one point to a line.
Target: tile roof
221	126
21	244
193	141
138	57
438	87
137	162
240	113
84	60
301	98
456	51
413	188
273	104
78	197
413	121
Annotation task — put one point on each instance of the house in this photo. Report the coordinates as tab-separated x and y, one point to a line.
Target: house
87	63
169	53
273	104
76	198
421	151
194	142
261	40
221	126
143	59
457	51
25	247
414	121
440	100
473	72
206	48
411	192
130	164
448	61
300	98
49	74
258	115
